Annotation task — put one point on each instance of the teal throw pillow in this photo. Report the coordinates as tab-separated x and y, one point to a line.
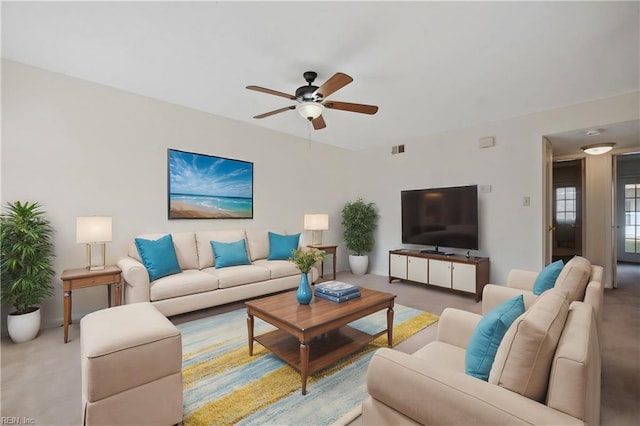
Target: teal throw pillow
546	279
230	254
158	256
485	339
281	246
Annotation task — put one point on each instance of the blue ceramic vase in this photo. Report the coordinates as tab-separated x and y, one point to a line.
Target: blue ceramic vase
304	293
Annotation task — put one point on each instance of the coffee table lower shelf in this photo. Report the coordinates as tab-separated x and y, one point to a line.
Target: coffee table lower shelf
324	350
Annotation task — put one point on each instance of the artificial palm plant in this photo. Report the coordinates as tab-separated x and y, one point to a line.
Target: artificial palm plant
26	257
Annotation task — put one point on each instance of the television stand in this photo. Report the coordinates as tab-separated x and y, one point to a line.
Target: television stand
467	275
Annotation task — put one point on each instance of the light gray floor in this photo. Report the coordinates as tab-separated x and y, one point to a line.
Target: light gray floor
41	379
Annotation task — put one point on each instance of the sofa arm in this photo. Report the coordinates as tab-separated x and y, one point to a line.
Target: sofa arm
431	395
493	295
594	296
136	281
456	326
519	278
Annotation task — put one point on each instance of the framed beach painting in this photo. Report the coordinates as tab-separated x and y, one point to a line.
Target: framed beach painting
208	187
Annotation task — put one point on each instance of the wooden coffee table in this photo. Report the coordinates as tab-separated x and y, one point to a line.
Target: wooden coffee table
314	336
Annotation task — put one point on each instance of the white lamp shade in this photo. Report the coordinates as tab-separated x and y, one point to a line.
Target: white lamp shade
310	110
316	222
93	229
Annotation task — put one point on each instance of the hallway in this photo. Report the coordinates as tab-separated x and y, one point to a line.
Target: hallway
621	348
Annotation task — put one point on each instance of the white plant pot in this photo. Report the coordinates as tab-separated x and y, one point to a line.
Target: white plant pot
25	327
358	264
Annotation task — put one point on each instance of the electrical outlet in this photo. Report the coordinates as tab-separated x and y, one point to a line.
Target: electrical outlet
485	189
526	201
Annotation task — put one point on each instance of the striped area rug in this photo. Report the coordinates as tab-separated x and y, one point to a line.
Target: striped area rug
223	385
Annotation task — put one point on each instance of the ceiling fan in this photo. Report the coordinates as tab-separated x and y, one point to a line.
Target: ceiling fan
312	99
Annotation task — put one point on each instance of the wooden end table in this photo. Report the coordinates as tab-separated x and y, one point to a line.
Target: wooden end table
82	278
329	249
312	337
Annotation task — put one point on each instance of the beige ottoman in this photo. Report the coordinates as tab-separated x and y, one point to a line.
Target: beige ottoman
131	359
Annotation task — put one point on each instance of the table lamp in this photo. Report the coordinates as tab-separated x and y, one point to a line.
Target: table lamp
316	223
94	230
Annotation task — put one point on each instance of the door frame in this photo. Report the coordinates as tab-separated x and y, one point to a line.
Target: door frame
547	200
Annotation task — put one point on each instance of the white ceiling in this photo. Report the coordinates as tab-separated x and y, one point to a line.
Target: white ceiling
430	66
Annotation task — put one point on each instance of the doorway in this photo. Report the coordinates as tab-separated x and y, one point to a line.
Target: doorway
628	208
567	207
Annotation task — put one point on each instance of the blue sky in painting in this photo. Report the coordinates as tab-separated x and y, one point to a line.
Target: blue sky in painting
195	174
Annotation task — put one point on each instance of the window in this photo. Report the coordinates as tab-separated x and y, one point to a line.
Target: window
566	205
632	218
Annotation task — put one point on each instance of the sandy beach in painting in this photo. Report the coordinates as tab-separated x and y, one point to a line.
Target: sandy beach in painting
180	210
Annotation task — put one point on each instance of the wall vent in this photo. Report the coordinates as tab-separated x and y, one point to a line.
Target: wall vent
398	149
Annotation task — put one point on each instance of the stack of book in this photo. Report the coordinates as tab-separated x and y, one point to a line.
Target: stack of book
337	291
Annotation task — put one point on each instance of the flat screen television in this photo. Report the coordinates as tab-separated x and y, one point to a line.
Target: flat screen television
441	217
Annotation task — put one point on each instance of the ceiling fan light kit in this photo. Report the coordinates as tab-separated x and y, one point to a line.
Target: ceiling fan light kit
598	148
311	99
310	109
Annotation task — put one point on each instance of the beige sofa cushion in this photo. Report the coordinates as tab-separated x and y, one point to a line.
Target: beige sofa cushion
278	268
442	355
574	383
574	278
523	361
258	242
233	276
190	281
206	259
184	244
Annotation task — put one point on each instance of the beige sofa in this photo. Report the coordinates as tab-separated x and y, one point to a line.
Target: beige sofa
546	371
200	285
520	281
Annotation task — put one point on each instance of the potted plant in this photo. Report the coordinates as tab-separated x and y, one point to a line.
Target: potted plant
359	221
304	260
26	267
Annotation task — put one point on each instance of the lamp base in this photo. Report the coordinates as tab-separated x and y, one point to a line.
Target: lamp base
316	238
90	265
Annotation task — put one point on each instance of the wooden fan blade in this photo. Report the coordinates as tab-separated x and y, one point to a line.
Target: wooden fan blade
271	92
277	111
347	106
338	81
318	123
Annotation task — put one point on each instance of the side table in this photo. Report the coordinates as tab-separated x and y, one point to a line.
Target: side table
82	278
329	249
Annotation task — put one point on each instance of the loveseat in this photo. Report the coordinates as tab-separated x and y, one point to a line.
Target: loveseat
199	279
520	281
546	368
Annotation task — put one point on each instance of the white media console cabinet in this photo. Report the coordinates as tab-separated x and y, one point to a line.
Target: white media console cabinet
454	272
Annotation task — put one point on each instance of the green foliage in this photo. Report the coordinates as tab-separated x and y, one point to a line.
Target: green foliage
305	259
359	221
26	256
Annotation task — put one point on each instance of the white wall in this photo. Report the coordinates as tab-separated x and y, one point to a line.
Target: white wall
81	149
510	234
